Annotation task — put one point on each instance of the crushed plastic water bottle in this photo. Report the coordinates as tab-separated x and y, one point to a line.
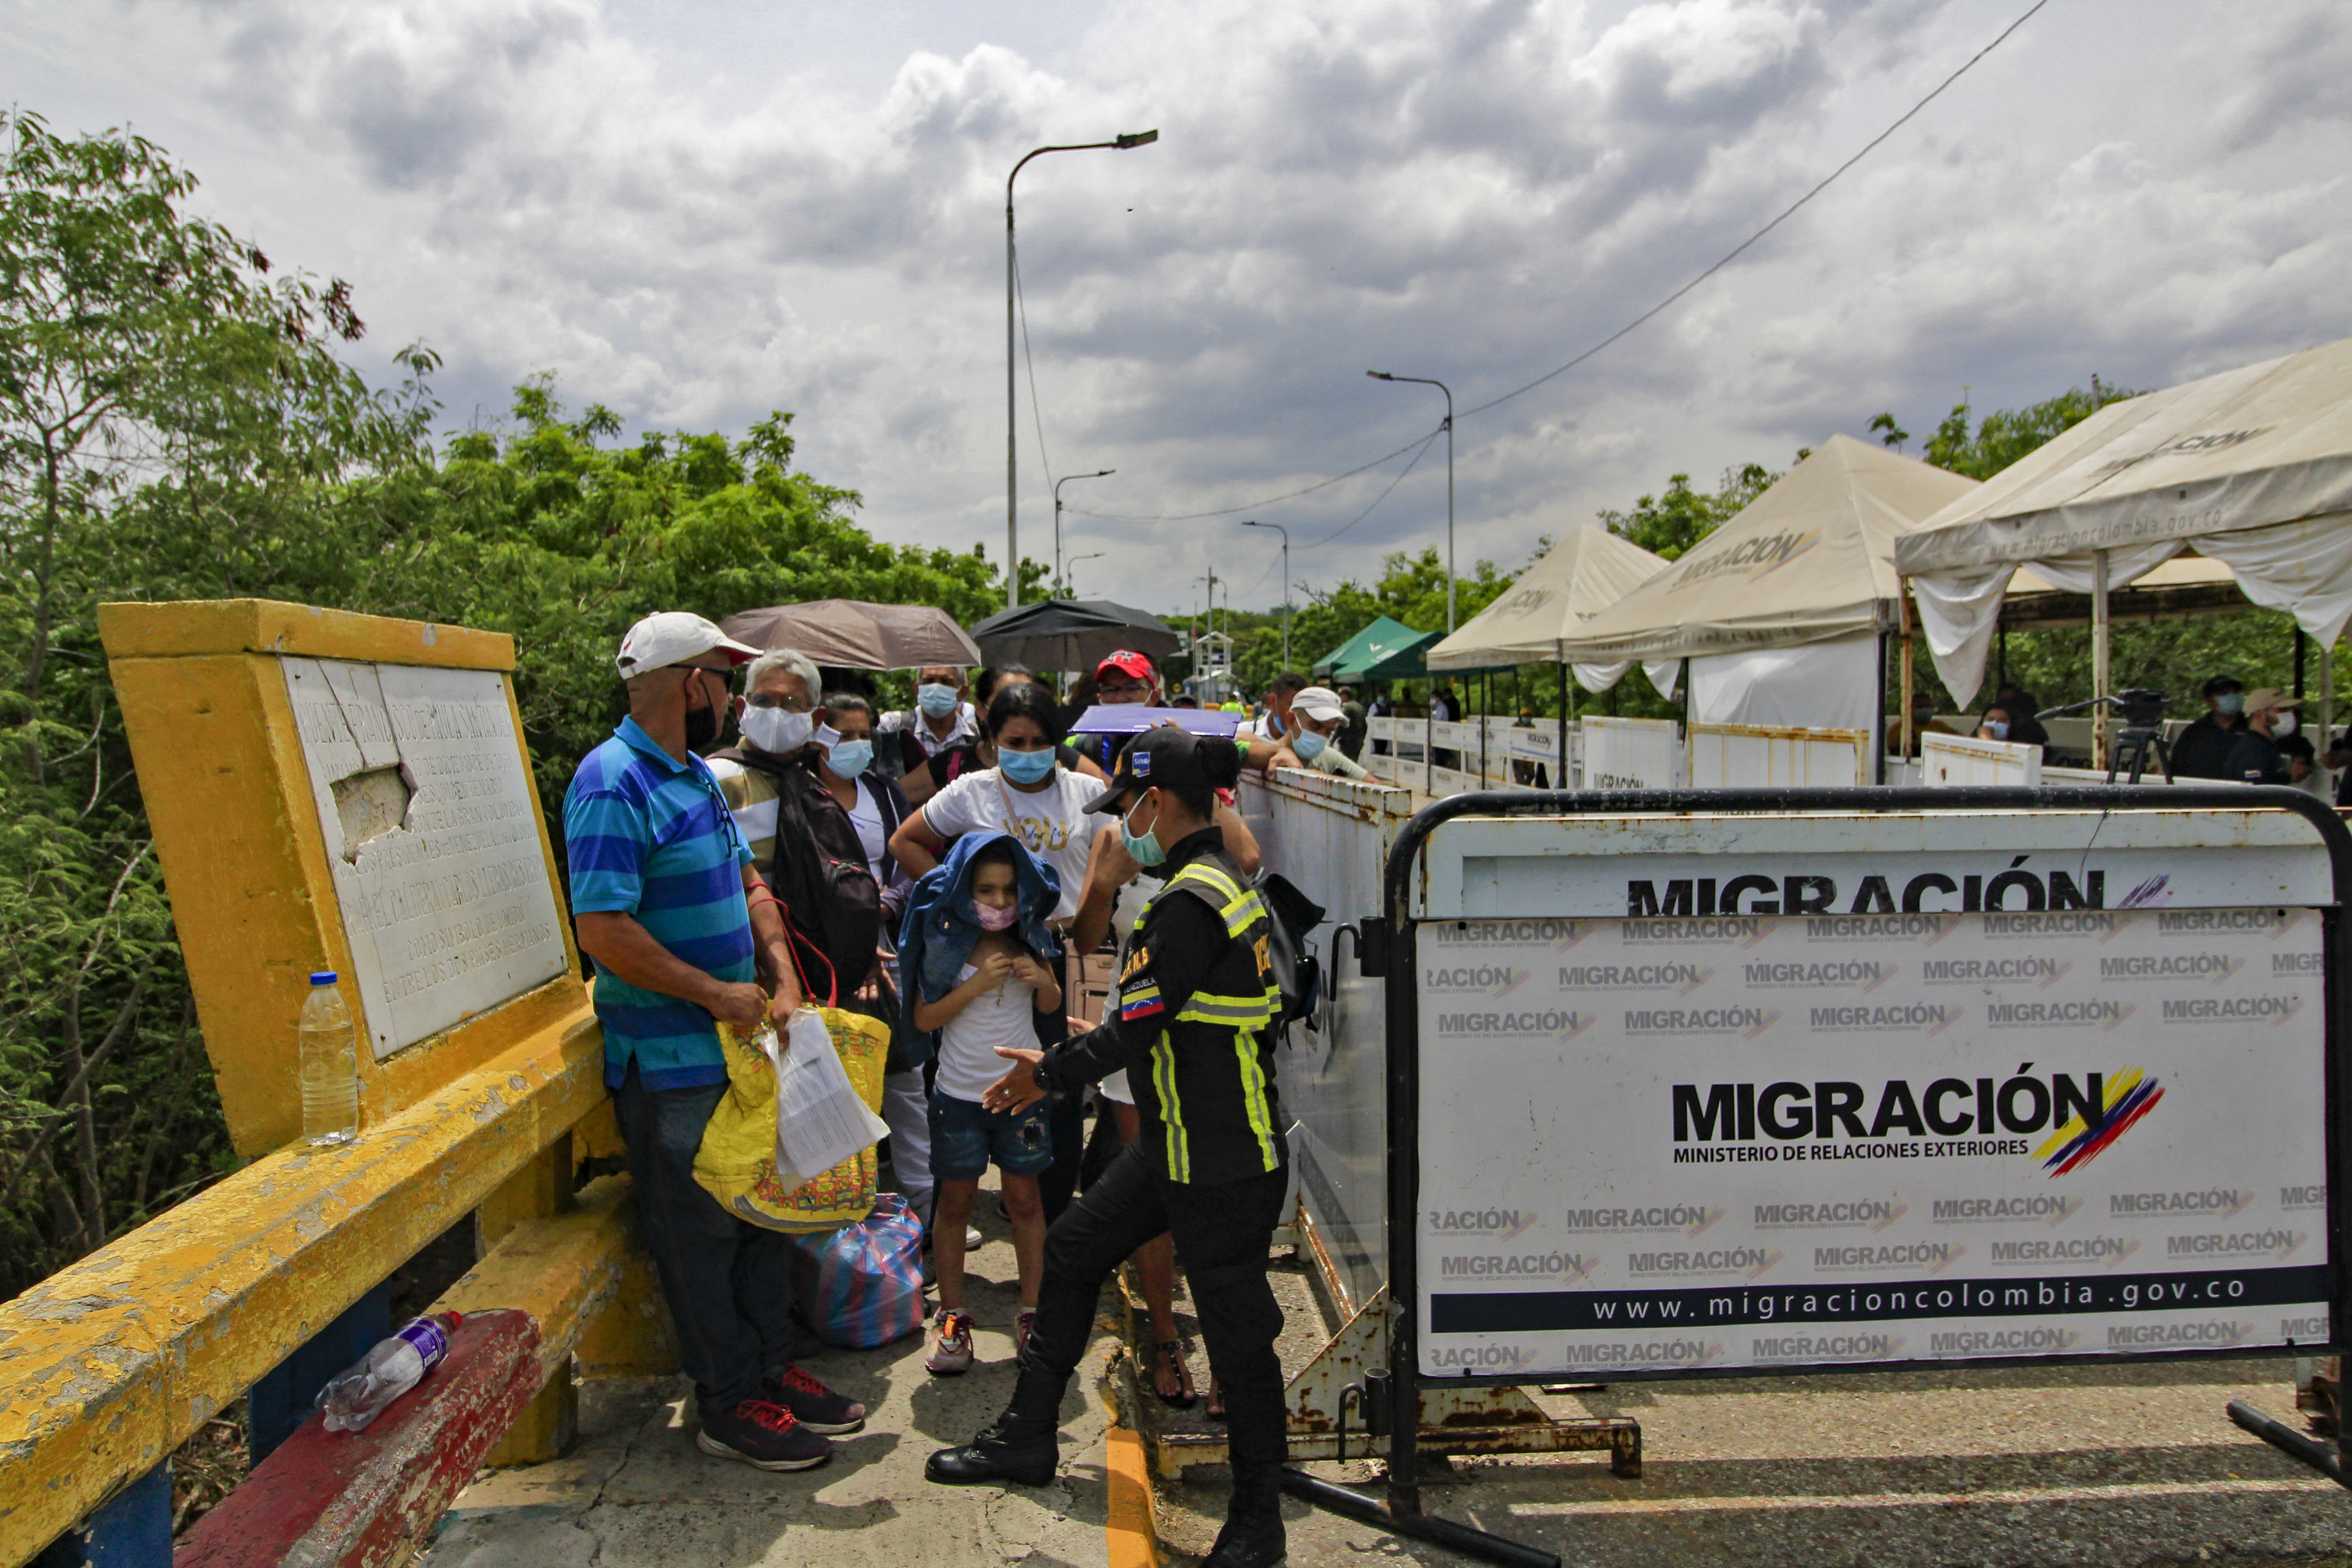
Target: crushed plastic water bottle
394	1367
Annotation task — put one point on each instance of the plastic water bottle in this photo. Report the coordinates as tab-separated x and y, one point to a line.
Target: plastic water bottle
329	1055
394	1367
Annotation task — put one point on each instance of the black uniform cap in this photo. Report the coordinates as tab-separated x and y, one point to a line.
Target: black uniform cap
1162	756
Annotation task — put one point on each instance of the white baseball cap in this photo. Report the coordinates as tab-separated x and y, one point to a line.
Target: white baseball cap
674	637
1318	702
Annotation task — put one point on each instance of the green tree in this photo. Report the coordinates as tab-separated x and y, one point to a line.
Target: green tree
1670	523
151	369
2001	437
175	423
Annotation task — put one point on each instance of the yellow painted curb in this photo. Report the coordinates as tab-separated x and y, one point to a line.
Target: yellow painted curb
1130	1524
1129	1534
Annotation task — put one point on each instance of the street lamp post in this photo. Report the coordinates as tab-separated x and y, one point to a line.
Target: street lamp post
1285	584
1012	469
1089	555
1425	381
1065	478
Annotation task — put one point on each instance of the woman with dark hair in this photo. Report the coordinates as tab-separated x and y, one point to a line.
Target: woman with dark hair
980	751
996	677
875	803
1030	793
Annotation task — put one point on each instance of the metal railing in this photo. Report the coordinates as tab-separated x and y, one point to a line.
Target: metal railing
107	1366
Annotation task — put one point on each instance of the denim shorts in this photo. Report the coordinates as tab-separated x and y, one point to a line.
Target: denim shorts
965	1136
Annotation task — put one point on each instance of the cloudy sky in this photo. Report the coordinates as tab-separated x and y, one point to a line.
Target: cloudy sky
695	211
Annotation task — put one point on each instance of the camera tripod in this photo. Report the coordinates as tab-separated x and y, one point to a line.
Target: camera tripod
2141	736
2134	745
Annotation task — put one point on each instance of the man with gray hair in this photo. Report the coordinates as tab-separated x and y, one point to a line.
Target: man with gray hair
809	848
684	932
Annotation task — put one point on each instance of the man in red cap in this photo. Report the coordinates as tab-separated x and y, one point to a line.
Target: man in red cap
1123	678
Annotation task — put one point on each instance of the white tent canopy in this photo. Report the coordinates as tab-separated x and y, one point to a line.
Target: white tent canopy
1811	559
2252	466
1581	576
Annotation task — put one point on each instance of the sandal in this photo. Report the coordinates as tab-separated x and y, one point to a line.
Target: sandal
1169	1356
1216	1410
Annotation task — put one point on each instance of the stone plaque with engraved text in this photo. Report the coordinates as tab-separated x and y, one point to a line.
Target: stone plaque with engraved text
447	904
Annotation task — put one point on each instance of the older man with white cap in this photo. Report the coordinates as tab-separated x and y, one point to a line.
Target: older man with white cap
1316	716
684	932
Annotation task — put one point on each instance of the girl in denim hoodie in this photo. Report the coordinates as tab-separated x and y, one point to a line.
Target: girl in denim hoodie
977	952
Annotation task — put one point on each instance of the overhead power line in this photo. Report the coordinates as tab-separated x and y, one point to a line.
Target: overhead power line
1785	213
1423	451
1725	260
1036	409
1253	506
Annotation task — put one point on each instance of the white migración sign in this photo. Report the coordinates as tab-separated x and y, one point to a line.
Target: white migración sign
1752	1138
1771	1144
1631	753
1947	759
432	837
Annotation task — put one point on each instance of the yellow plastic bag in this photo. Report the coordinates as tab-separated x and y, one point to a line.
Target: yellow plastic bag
737	1161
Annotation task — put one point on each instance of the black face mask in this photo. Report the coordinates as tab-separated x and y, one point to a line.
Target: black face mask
702	727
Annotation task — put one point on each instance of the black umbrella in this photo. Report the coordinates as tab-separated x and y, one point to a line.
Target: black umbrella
1071	634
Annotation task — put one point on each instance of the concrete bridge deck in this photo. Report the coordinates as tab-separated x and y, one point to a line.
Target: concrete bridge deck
2117	1465
634	1492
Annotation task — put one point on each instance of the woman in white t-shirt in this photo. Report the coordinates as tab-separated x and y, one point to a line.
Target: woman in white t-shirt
1030	795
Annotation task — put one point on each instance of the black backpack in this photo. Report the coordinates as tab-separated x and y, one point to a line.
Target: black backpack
1297	973
832	907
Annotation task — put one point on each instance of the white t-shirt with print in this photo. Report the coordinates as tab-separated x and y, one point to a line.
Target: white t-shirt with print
1052	822
1005	1015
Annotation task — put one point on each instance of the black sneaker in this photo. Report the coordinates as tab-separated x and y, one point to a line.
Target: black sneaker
817	1408
764	1435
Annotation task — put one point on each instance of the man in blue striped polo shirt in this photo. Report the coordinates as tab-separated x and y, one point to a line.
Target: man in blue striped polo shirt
683	931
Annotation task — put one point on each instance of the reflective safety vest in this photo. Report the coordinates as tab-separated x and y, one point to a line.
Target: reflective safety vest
1206	1095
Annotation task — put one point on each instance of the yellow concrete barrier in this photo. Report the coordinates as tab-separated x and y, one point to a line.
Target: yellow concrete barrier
108	1365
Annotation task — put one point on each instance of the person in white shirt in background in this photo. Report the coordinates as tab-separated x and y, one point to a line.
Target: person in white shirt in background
1031	795
942	717
1316	715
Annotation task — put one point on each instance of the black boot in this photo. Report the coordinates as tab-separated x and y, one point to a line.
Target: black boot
1252	1538
1009	1448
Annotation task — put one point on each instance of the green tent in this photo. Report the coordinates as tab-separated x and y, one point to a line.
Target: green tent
1387	650
1384	642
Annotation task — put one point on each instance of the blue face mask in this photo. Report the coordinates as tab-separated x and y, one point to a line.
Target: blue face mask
2231	702
847	758
1026	767
1308	745
937	702
1142	845
1998	729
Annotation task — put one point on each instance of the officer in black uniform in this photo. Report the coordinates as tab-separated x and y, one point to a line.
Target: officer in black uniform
1193	1019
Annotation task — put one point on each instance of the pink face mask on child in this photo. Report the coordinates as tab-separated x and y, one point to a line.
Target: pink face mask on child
993	919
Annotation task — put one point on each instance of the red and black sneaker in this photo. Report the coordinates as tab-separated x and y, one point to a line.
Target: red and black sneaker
762	1433
818	1408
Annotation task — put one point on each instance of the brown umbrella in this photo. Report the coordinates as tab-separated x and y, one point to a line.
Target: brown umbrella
849	634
